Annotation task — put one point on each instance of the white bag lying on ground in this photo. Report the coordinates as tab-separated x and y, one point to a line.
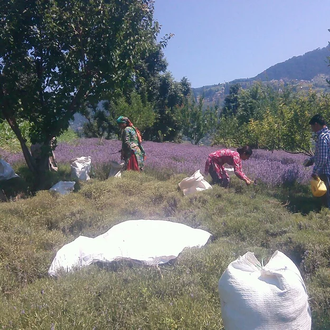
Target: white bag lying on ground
272	297
194	183
115	169
152	242
81	168
6	171
63	187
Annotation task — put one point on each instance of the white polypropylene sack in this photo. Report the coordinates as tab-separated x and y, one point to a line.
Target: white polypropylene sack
115	169
272	297
152	242
194	183
63	187
81	167
6	171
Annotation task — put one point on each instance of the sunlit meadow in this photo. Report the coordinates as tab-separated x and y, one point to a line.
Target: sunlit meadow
277	213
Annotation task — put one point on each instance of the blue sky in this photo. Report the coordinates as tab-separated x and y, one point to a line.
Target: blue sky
217	41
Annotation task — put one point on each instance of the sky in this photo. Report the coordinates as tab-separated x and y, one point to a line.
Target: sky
217	41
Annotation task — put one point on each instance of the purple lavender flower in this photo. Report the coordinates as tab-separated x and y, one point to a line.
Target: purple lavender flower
273	168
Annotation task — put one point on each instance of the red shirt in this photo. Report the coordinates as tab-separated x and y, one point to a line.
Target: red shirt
225	156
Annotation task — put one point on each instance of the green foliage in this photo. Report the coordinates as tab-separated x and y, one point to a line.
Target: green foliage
58	56
141	114
227	132
169	101
102	117
68	136
182	294
231	104
8	140
196	122
268	118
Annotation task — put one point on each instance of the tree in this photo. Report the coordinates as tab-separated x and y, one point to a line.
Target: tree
102	117
168	103
197	122
231	101
56	56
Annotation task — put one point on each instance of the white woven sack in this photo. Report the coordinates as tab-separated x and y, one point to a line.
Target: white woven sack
6	171
194	183
271	297
115	169
81	167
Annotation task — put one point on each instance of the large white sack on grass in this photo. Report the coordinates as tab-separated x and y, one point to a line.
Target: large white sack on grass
115	169
272	297
81	168
6	171
194	183
152	242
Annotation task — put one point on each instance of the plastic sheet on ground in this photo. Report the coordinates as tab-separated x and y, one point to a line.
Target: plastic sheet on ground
63	187
6	171
194	183
256	297
152	242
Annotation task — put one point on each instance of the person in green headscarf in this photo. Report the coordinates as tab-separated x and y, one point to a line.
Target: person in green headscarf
132	151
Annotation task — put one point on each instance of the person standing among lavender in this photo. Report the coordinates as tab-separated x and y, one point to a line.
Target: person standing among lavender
216	160
321	158
132	151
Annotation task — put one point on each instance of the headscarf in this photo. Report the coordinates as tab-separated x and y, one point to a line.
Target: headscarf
125	120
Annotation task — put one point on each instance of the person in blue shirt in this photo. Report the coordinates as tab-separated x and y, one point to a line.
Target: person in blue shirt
321	158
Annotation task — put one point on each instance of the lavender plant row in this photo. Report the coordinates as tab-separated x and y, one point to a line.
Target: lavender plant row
273	168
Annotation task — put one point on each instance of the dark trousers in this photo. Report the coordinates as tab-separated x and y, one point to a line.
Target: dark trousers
326	198
216	180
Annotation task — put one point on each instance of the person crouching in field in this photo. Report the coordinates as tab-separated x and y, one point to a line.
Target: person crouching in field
216	160
132	151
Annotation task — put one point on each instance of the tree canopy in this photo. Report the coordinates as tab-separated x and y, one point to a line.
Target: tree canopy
56	56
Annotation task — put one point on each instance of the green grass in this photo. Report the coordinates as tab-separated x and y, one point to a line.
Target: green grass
182	294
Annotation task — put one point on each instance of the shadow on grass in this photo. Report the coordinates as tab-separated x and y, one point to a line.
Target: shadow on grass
26	184
14	188
299	199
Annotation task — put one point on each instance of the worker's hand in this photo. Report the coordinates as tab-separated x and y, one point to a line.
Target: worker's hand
248	181
308	162
314	176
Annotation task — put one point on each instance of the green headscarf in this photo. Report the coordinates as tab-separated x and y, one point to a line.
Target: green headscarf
122	120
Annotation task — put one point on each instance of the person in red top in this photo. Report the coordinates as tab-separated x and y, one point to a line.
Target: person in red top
216	160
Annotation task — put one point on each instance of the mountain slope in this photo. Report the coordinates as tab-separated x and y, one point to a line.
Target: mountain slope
304	67
310	69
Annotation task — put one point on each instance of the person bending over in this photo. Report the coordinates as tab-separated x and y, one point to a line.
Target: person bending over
216	161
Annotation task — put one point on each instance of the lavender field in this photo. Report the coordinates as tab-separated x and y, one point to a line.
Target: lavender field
179	295
272	168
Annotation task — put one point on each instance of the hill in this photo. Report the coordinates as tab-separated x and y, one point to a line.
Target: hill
304	67
310	70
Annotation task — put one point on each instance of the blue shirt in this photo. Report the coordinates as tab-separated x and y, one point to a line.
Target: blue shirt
322	152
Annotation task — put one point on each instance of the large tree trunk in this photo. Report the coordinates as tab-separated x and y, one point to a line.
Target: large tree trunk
27	155
38	166
43	155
